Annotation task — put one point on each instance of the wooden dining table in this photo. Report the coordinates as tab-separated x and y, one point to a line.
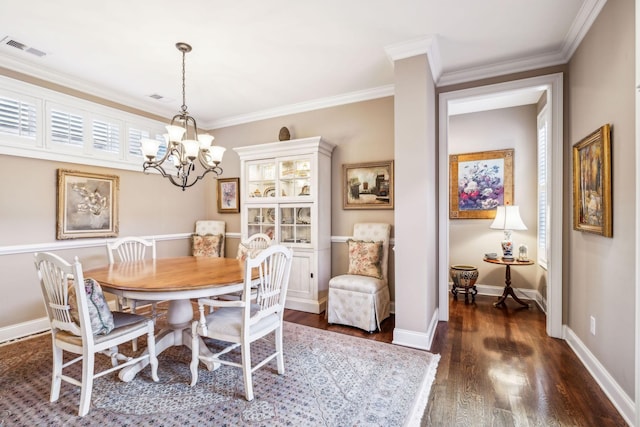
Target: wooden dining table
177	280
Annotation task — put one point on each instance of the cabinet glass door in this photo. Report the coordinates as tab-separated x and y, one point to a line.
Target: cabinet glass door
261	220
261	179
295	177
295	226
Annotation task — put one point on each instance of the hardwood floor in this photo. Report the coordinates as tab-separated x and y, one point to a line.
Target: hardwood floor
498	367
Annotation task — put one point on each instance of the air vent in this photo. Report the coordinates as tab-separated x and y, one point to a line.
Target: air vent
9	41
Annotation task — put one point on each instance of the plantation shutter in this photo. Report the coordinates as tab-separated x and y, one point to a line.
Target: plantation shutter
543	131
66	128
17	118
106	136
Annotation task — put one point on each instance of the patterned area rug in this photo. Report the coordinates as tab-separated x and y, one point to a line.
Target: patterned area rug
330	379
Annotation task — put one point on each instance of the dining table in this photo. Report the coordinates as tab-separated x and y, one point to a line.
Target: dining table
177	280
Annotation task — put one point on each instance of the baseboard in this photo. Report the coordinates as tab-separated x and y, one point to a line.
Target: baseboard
310	306
623	403
529	294
21	330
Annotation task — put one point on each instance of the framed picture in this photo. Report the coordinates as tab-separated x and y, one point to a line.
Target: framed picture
368	185
592	209
87	205
480	182
228	195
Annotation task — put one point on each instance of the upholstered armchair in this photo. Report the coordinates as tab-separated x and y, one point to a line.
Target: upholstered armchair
208	239
361	297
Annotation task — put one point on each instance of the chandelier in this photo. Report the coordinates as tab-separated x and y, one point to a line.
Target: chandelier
184	145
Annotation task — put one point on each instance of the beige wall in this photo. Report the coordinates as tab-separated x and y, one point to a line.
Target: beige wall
602	270
470	239
149	205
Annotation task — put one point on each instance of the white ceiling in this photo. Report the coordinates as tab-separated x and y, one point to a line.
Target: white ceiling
255	59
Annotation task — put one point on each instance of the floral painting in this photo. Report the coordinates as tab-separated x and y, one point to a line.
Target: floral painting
480	182
228	195
87	205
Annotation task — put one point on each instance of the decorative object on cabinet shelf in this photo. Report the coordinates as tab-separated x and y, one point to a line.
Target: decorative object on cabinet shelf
284	134
304	216
270	192
87	205
592	208
368	185
305	191
228	195
184	145
479	183
507	219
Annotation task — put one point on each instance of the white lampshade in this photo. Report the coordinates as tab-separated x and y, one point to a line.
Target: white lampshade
508	218
175	133
205	141
149	147
216	153
191	148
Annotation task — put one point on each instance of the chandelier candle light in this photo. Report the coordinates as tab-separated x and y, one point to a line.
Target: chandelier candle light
508	219
184	144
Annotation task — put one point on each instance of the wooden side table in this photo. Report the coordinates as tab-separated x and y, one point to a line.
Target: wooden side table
508	290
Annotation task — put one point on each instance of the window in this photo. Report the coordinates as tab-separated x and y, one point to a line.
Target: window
66	128
40	123
17	118
106	136
543	175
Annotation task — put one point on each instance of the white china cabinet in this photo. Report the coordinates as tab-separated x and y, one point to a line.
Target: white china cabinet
286	193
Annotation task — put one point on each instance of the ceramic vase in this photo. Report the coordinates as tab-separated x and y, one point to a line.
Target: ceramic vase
464	276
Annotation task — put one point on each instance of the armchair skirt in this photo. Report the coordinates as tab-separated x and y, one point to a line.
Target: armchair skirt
363	302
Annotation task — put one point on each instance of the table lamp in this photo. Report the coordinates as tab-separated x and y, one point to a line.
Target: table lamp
508	219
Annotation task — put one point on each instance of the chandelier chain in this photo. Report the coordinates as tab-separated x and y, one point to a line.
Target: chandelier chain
184	97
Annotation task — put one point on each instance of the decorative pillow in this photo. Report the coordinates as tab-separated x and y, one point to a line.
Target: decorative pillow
365	258
245	251
208	245
99	313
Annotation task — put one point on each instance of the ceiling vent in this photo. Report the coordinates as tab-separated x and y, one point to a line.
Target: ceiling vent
9	41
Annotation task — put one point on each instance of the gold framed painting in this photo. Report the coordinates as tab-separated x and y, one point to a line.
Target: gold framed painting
228	195
87	205
479	183
592	208
368	185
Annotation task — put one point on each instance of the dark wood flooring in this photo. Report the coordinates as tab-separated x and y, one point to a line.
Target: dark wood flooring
498	367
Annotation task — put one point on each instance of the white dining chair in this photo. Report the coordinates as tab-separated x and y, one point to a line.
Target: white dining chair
130	249
242	322
82	324
253	246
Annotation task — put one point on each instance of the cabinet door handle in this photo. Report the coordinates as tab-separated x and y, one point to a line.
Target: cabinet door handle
312	275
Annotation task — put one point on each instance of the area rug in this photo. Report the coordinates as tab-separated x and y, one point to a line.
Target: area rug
330	379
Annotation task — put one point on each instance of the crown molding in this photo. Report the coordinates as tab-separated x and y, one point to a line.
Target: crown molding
419	46
578	30
317	104
76	84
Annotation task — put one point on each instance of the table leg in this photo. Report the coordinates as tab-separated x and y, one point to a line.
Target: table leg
508	290
179	317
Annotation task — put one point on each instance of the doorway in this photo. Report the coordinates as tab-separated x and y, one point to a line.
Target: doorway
553	85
